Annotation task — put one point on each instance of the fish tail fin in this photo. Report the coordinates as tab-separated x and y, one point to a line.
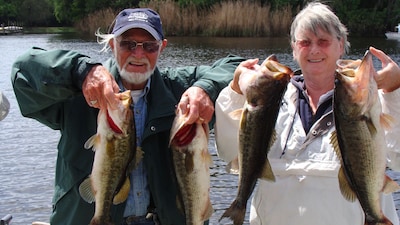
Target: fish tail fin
122	194
86	191
384	221
96	221
236	212
390	185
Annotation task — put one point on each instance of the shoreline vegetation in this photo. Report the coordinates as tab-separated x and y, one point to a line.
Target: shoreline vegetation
225	19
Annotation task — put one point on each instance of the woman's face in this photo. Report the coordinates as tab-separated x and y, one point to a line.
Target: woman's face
317	53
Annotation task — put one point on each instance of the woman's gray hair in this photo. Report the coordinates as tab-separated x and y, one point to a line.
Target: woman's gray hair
319	16
104	39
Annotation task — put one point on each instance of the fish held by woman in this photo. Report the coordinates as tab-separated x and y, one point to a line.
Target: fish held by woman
263	90
359	138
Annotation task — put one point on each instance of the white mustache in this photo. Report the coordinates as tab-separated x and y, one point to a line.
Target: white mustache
132	60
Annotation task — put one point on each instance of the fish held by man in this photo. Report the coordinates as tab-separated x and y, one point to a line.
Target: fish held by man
115	157
359	137
192	161
264	90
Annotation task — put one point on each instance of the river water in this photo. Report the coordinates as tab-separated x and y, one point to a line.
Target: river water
28	149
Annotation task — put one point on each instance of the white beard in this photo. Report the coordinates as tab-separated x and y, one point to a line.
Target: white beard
134	77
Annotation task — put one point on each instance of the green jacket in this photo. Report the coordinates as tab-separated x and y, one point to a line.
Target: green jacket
47	85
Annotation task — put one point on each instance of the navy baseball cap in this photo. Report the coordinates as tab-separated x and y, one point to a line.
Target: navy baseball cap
144	18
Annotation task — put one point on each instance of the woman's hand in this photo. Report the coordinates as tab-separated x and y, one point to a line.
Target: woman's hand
243	68
387	78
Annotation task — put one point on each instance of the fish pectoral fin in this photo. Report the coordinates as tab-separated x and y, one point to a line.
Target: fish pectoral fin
86	191
390	185
345	188
387	121
236	114
122	194
91	141
267	173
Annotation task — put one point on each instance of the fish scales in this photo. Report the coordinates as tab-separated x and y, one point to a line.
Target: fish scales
191	159
359	138
115	157
263	94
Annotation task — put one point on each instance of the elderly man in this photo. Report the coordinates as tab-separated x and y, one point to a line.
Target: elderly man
64	90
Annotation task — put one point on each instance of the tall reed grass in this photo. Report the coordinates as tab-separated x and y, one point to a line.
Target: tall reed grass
229	18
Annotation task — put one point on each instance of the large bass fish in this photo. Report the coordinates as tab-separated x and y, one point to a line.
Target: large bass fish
359	138
263	90
115	157
191	159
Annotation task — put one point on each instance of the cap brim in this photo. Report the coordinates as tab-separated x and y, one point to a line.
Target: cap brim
146	27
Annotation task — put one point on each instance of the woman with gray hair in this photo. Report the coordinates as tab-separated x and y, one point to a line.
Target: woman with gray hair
306	188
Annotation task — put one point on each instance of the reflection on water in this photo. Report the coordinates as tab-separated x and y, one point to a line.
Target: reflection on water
28	149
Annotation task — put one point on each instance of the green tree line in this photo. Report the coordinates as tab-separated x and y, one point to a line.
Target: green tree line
362	17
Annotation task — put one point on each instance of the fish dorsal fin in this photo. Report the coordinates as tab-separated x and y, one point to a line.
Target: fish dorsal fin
86	192
335	145
390	186
122	194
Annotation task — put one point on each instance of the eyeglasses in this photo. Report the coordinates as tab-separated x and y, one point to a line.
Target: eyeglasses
148	46
307	43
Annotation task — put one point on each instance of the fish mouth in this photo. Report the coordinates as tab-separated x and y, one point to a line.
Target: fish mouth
276	69
113	122
185	135
357	76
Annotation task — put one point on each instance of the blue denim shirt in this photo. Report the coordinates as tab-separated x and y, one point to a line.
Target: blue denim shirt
139	194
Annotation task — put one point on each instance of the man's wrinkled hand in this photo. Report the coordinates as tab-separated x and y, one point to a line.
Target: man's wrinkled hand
196	103
99	88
